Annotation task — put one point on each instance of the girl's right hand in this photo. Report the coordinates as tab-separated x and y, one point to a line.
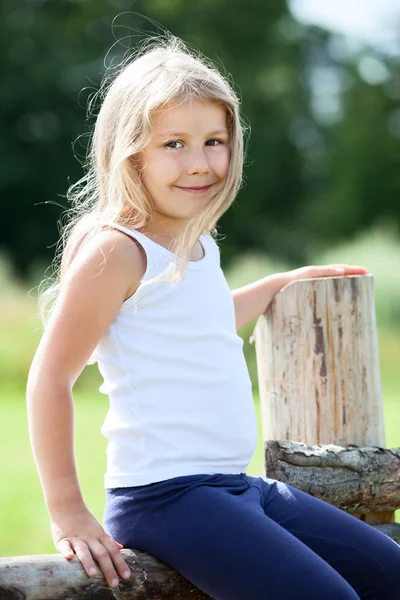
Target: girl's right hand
78	533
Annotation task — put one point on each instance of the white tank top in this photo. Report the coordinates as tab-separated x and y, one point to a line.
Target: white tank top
176	377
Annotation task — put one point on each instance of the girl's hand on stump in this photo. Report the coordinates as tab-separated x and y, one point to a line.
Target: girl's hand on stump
314	272
79	534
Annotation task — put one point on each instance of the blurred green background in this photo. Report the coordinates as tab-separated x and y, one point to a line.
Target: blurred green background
322	184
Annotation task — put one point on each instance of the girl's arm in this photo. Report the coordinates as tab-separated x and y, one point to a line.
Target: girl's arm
251	301
103	274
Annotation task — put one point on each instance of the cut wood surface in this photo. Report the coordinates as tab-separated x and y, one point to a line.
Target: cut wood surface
356	479
52	577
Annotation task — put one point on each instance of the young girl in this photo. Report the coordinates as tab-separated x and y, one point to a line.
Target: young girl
142	293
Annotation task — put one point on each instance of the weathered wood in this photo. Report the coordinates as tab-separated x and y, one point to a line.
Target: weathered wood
318	367
52	577
318	364
356	479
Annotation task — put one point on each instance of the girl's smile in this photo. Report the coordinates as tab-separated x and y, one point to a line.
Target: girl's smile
195	190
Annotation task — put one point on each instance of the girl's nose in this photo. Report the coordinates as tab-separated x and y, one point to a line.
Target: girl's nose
197	162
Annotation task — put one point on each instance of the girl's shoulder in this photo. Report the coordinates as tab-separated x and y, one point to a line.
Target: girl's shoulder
110	253
103	271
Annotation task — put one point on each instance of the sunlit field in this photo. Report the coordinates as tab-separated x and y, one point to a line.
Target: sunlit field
24	521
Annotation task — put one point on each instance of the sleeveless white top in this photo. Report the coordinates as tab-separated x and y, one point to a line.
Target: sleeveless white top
176	377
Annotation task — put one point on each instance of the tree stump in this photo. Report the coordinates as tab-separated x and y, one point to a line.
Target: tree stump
318	366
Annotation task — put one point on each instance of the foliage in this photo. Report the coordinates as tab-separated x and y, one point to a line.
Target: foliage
324	152
323	166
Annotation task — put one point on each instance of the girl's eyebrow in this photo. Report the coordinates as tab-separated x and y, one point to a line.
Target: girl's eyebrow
183	134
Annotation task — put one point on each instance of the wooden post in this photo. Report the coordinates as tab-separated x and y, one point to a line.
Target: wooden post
318	366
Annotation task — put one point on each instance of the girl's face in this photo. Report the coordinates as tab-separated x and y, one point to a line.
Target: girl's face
186	159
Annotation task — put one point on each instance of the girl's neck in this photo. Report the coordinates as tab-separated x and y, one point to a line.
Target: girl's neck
163	230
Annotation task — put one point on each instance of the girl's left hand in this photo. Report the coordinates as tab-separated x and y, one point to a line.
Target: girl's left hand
326	271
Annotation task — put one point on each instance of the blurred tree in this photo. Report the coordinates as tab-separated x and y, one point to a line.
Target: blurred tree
324	152
354	179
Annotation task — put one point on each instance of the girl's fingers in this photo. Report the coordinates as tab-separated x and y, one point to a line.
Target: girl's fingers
83	553
64	547
106	552
351	268
113	549
105	560
329	270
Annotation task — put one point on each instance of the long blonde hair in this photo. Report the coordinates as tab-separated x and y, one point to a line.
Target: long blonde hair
162	70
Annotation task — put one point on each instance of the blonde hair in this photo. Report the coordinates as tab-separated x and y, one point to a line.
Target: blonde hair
162	70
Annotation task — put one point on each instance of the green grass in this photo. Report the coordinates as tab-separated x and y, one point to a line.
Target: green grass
23	516
24	522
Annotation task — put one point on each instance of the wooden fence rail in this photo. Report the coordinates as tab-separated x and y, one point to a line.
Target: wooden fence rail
323	431
52	577
359	480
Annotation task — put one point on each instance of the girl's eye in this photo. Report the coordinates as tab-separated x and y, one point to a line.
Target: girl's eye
169	144
173	143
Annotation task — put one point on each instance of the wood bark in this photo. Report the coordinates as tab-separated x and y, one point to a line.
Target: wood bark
52	577
356	479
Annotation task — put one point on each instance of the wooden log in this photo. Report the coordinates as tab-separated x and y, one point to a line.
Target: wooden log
318	365
356	479
52	577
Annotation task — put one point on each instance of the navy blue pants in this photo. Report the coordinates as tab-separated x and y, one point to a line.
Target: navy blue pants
238	537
